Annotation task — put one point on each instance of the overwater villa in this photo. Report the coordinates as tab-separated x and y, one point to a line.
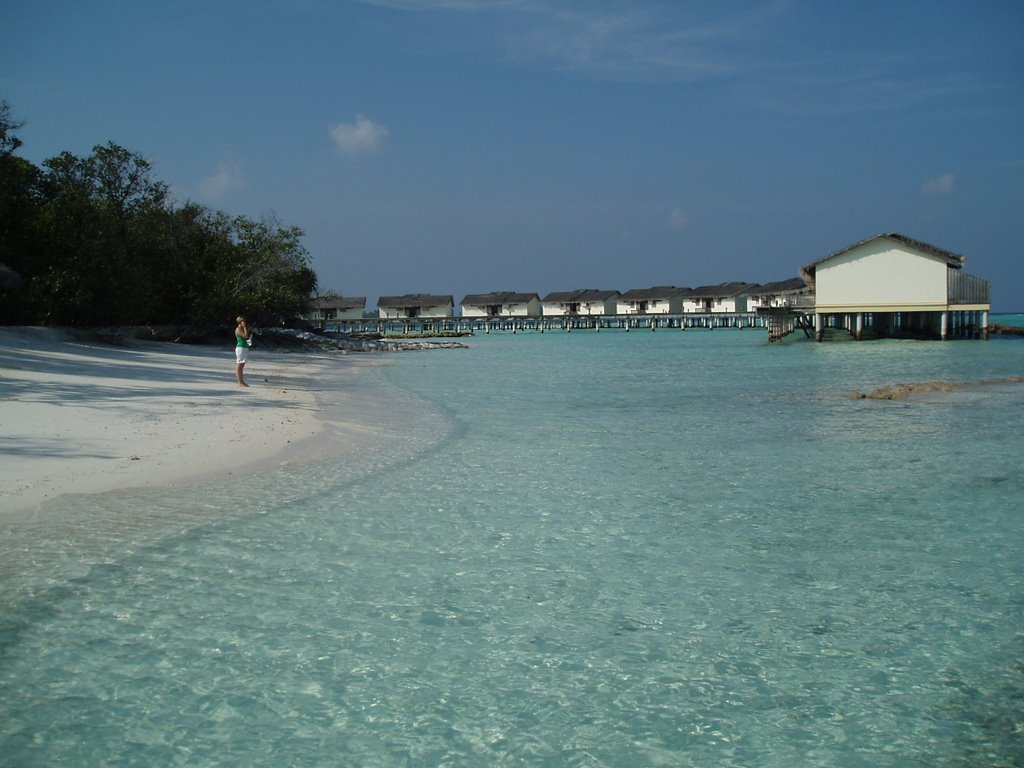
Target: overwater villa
892	284
332	308
501	304
784	293
584	302
415	305
725	297
886	285
659	300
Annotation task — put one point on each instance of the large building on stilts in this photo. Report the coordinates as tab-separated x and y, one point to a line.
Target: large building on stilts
893	285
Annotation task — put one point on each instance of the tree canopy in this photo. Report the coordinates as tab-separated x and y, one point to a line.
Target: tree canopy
98	240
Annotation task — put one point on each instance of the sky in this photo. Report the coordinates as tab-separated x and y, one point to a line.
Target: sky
467	146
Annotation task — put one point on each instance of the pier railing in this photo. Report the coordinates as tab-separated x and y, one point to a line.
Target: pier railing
467	325
802	301
962	288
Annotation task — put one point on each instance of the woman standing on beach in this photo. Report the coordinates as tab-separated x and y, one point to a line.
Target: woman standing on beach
243	340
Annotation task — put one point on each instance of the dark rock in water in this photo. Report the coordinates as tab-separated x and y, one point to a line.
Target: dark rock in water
903	391
1006	330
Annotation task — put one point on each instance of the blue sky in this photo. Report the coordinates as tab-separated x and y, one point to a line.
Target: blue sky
466	146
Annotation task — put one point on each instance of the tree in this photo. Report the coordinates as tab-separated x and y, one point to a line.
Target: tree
274	278
9	143
69	283
255	267
19	202
96	241
131	204
101	226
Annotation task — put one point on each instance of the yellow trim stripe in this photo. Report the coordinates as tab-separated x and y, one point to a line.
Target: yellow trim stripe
825	309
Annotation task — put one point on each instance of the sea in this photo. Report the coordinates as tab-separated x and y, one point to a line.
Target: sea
614	548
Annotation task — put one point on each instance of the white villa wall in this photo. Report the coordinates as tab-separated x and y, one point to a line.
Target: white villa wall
442	311
398	313
754	302
883	276
513	310
530	309
318	314
731	304
591	308
658	307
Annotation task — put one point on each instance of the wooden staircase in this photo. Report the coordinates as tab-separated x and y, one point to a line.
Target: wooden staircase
783	321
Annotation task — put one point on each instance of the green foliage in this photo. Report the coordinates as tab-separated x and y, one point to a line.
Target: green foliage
97	241
256	265
8	141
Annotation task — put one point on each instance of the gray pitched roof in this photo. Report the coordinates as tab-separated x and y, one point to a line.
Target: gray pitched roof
339	302
584	294
722	290
657	293
793	285
499	297
414	300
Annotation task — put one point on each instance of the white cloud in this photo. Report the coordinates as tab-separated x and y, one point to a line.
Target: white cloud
941	185
677	219
451	5
359	137
626	41
740	44
224	179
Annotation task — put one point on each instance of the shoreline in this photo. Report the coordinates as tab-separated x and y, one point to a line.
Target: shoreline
82	413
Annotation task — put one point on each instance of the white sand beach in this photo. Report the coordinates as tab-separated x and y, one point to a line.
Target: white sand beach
82	414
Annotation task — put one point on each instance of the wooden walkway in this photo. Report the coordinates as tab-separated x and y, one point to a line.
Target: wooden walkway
469	325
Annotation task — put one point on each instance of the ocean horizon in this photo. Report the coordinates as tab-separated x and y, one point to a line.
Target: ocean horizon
683	548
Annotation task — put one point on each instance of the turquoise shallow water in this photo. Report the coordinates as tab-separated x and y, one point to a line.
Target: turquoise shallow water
683	548
1008	319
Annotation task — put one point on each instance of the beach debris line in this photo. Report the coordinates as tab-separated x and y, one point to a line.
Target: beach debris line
290	337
